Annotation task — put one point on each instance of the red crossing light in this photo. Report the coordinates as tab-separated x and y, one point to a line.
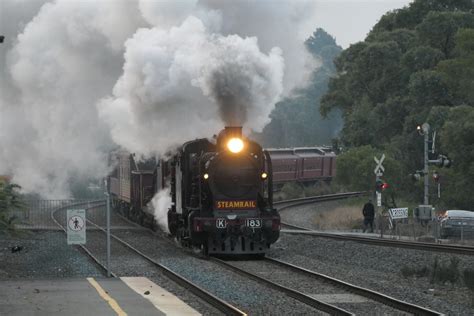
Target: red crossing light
385	186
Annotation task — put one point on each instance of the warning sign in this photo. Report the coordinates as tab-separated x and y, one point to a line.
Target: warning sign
76	227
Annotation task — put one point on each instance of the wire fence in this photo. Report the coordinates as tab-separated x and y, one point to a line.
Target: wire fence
38	247
45	214
427	230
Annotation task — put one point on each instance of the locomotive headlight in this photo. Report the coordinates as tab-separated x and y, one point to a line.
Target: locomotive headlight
235	145
205	176
264	175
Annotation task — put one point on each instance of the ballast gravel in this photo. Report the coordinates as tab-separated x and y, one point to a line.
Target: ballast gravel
317	288
43	254
243	293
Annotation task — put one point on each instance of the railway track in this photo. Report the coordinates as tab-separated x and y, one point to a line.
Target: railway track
298	295
206	296
282	205
417	245
325	293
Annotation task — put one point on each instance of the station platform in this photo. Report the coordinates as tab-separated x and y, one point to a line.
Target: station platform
91	296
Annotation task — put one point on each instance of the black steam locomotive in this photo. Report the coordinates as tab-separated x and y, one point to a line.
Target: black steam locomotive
221	194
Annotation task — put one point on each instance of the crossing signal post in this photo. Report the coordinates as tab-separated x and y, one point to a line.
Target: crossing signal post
379	170
380	185
442	162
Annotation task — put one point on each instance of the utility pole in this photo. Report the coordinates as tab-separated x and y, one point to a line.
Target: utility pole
379	187
426	171
108	227
425	211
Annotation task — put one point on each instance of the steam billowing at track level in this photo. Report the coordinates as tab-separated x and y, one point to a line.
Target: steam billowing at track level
190	68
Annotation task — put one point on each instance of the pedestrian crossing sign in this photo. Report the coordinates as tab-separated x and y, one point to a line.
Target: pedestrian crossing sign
76	227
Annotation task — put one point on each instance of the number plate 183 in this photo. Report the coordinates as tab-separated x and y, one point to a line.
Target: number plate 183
254	223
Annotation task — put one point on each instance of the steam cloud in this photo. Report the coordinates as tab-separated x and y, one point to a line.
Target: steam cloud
161	202
186	83
157	73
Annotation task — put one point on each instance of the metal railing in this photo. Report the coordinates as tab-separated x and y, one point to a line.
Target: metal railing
37	213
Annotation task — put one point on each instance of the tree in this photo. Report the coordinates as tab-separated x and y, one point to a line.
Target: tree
421	58
438	29
296	120
10	200
409	17
428	88
415	66
457	137
459	71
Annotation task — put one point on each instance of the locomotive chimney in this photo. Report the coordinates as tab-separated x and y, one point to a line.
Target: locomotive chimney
233	131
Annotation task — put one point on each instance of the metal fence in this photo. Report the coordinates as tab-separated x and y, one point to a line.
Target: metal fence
428	231
41	214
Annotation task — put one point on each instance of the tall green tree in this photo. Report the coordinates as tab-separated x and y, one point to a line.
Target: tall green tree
415	66
457	139
459	71
296	120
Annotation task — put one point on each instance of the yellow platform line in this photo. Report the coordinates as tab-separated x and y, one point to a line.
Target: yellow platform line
113	303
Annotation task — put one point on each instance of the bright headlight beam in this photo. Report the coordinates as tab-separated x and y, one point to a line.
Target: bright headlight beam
235	145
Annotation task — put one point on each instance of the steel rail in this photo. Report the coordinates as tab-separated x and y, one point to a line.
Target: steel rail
82	247
319	198
208	297
418	245
306	299
373	295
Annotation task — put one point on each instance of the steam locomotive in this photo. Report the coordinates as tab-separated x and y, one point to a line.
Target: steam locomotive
221	193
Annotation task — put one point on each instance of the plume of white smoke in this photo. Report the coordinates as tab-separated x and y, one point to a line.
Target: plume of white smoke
161	202
274	23
191	66
186	83
61	63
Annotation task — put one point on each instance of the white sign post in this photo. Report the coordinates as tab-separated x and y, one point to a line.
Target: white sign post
379	199
76	227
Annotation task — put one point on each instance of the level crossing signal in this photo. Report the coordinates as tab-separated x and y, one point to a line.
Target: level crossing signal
380	185
436	176
444	161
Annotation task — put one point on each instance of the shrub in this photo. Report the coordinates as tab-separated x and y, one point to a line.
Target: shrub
319	188
292	190
445	273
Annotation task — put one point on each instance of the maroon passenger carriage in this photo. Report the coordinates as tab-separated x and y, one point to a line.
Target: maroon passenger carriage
304	165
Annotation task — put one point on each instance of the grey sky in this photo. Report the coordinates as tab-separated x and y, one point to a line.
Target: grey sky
350	20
